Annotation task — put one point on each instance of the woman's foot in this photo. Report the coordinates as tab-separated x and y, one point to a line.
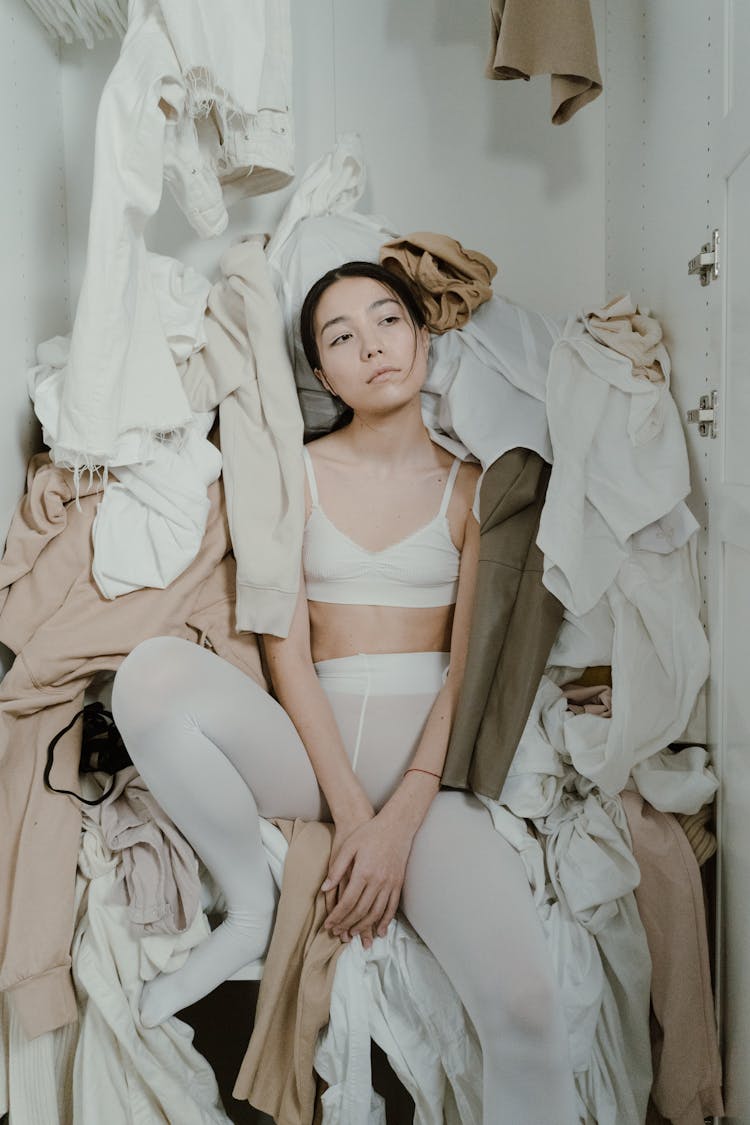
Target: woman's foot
241	938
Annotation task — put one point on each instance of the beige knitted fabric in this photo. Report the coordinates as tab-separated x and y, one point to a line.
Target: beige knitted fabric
547	37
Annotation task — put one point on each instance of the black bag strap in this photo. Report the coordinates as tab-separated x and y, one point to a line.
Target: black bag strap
50	763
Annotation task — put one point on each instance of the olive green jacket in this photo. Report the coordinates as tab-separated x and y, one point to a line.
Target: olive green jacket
515	621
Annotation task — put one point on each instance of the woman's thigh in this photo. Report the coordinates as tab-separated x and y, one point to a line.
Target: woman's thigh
172	693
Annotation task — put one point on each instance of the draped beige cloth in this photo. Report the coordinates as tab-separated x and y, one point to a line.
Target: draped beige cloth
554	37
451	281
277	1074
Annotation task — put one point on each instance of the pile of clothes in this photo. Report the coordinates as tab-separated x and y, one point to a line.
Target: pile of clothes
609	564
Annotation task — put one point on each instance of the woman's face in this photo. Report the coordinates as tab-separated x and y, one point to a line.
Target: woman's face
371	354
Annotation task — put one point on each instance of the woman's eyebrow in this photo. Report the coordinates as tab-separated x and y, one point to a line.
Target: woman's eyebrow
334	320
383	301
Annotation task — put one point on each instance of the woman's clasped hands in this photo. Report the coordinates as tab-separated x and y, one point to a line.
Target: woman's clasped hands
365	876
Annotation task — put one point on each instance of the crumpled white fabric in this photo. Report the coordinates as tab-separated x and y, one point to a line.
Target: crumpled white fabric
124	1072
123	387
150	522
619	464
180	296
582	873
676	782
396	994
647	626
668	533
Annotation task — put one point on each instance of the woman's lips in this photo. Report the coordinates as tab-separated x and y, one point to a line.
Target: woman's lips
381	375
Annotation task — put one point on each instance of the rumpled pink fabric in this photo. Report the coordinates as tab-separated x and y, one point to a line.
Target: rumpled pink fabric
160	869
595	700
624	327
687	1064
451	281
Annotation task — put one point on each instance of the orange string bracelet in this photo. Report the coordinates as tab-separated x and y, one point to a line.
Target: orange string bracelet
416	769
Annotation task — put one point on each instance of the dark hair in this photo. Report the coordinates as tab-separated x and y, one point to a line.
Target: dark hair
397	285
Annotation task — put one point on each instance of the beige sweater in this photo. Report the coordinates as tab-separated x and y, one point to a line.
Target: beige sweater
554	37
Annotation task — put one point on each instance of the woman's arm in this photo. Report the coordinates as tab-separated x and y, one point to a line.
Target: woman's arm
299	692
379	849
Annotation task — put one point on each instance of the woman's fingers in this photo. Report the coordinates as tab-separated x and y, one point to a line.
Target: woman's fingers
354	904
373	915
339	867
390	913
330	900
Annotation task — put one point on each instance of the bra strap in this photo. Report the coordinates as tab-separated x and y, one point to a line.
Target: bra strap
457	463
311	477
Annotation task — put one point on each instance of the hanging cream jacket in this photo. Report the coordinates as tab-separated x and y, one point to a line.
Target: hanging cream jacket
244	369
193	101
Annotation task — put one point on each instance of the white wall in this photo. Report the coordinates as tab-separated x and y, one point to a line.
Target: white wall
33	264
446	149
663	92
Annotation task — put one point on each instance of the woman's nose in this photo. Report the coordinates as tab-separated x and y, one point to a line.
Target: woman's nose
371	348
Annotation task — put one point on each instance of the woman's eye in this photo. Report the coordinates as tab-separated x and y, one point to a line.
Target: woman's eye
341	339
390	319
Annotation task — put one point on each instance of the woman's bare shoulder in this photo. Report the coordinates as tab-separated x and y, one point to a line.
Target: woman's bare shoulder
467	480
329	447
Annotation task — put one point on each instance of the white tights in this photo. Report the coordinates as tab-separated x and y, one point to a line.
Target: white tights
217	752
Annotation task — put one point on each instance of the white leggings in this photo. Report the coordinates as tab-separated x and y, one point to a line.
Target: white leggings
217	751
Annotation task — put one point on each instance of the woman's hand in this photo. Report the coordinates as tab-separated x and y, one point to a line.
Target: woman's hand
344	825
368	873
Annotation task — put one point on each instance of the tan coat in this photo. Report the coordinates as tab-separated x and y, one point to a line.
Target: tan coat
53	617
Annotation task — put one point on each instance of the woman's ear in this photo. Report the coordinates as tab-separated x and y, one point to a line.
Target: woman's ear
321	377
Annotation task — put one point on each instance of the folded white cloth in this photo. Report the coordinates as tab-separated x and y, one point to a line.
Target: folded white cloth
676	782
150	523
619	464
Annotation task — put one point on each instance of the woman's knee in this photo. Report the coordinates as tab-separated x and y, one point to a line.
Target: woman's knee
149	674
519	1006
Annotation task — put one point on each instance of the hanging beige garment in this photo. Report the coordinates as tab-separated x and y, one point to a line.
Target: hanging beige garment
554	37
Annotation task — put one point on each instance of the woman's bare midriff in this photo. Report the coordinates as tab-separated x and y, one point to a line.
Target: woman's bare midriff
345	630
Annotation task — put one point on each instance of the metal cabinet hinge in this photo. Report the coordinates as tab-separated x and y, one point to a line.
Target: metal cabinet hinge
706	264
706	417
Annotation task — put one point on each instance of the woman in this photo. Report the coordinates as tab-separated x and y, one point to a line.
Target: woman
366	685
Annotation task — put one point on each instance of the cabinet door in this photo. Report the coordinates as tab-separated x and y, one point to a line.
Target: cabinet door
729	548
